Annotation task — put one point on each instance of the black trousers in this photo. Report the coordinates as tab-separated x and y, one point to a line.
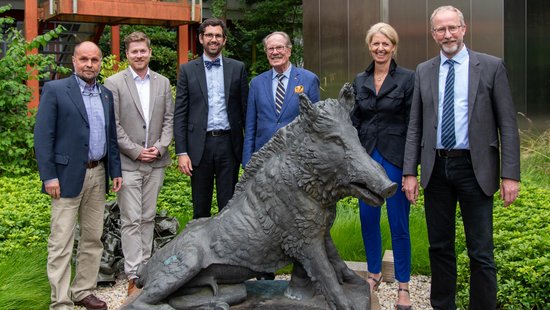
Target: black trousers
453	180
218	163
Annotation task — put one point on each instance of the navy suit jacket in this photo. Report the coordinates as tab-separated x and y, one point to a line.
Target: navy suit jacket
62	132
262	121
191	112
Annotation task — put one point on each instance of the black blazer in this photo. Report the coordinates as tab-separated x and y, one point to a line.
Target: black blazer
382	120
191	112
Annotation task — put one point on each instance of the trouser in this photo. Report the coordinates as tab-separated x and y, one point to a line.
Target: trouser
398	208
88	208
218	162
453	180
137	200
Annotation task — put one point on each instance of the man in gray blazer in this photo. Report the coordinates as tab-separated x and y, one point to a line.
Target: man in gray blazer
463	133
209	119
144	112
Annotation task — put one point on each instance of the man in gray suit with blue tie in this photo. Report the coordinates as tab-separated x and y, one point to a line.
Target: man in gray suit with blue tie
273	99
463	133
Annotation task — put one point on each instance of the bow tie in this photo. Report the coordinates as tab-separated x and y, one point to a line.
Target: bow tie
209	64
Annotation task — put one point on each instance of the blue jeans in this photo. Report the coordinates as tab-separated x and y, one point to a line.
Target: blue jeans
398	208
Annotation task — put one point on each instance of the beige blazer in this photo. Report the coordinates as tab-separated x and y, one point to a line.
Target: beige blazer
492	126
130	120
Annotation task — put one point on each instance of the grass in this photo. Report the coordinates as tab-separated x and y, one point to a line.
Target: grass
24	225
24	283
346	234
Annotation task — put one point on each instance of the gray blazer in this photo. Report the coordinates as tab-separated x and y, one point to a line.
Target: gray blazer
492	126
130	121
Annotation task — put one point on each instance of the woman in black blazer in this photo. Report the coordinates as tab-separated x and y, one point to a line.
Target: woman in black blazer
383	95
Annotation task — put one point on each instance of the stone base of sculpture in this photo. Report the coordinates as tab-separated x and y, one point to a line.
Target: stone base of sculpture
264	295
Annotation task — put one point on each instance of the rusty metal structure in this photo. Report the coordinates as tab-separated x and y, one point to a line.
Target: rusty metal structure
86	20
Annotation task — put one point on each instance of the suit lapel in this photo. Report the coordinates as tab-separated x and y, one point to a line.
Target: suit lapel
474	75
227	73
201	77
293	81
153	88
131	84
76	96
434	85
105	104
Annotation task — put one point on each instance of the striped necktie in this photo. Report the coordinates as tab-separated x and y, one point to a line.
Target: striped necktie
280	93
448	139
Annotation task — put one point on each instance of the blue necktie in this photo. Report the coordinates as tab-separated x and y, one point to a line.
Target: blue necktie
448	139
209	63
280	93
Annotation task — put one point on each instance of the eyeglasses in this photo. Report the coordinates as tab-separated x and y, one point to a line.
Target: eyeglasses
279	49
211	35
443	30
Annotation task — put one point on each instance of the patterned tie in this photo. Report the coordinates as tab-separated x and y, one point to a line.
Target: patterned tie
280	94
448	139
209	64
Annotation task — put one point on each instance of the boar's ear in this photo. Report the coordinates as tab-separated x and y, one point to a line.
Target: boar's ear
347	97
307	108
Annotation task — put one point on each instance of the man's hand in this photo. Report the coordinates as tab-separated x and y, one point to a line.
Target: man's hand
149	155
117	184
509	191
410	187
184	164
53	189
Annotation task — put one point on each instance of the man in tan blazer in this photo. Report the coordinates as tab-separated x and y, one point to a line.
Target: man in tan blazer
463	133
144	112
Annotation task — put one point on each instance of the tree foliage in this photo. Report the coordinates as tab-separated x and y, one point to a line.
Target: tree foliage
260	19
16	121
164	59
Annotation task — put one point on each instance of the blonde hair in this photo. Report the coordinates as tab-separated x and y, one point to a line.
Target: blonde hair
387	31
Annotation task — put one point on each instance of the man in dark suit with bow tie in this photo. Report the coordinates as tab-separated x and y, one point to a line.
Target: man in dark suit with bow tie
209	119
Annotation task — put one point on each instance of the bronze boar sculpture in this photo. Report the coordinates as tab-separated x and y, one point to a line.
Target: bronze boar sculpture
282	211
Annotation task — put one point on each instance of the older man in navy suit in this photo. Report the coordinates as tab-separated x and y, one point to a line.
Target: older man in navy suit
76	149
273	98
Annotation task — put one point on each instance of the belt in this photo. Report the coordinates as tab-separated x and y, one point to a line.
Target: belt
452	153
218	133
92	164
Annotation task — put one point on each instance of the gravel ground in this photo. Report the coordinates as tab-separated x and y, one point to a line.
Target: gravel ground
387	293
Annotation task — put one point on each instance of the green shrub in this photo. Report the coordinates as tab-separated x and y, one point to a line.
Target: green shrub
522	252
16	121
24	213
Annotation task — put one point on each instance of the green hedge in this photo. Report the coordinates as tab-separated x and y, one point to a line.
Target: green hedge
522	234
522	252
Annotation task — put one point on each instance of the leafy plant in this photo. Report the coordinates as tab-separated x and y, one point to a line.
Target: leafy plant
522	252
17	66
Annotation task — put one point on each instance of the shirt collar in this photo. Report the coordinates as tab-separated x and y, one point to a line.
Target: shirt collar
85	86
286	73
459	58
135	75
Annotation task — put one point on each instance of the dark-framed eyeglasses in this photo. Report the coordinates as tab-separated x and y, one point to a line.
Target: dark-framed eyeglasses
210	36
